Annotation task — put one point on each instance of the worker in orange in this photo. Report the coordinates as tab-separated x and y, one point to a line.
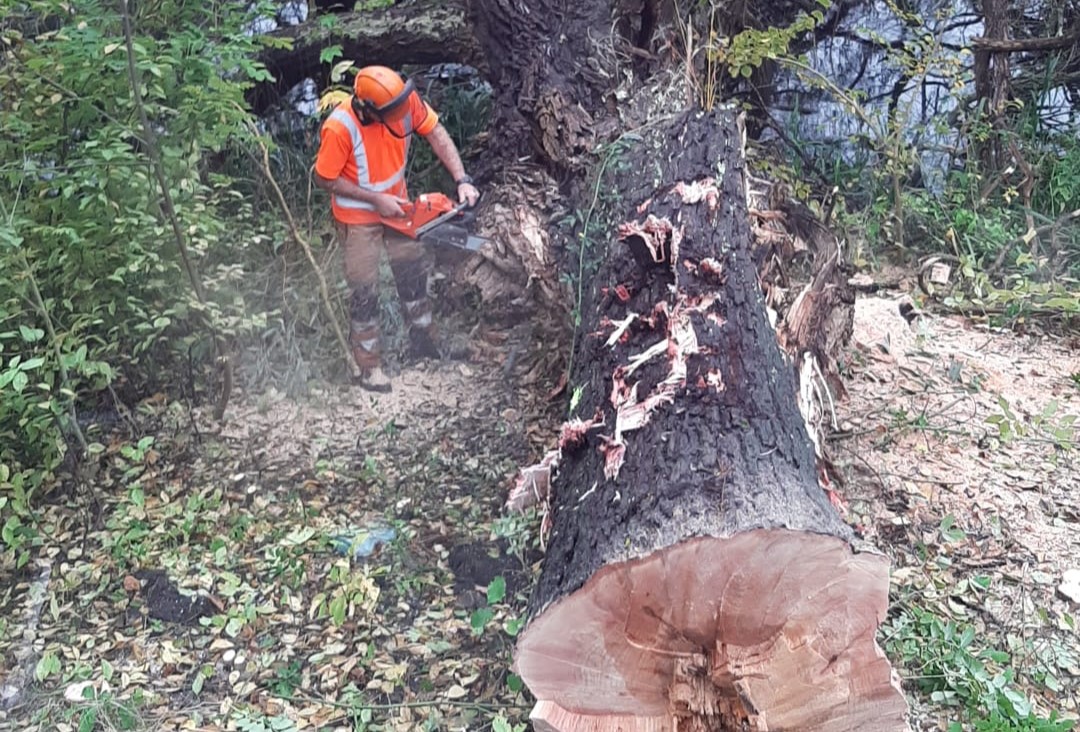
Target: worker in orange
361	163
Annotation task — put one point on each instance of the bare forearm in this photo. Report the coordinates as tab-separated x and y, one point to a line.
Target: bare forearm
446	151
341	187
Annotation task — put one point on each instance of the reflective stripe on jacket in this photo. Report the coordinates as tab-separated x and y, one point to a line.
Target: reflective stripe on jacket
379	158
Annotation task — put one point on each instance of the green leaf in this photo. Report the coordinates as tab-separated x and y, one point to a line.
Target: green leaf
234	626
19	382
1063	303
338	606
329	53
281	724
480	619
88	720
31	335
575	398
106	670
9	238
46	666
514	683
513	627
31	364
496	591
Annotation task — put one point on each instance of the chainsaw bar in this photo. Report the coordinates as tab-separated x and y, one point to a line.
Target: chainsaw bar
451	235
455	212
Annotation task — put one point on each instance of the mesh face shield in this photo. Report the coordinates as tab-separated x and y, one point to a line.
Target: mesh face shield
392	114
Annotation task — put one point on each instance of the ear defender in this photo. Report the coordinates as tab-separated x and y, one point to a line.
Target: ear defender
380	92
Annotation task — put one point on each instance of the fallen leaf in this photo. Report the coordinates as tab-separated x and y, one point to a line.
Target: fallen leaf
1070	585
74	692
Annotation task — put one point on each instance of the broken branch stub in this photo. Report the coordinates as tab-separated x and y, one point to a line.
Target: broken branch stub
697	577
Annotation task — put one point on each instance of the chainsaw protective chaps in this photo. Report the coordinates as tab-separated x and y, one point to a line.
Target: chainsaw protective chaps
363	245
364	326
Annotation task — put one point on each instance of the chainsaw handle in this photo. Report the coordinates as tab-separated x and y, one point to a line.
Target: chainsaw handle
466	213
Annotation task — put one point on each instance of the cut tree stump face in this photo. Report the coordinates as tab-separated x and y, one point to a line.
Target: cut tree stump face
766	630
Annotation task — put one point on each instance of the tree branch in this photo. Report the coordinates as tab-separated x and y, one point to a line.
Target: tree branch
1018	45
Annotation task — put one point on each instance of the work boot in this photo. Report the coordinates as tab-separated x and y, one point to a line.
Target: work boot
375	379
364	340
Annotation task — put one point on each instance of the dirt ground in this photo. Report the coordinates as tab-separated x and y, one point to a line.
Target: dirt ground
958	450
417	634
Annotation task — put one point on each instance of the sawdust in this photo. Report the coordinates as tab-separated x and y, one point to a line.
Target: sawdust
951	418
920	419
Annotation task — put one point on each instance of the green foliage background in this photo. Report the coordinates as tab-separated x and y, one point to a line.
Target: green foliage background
96	310
82	222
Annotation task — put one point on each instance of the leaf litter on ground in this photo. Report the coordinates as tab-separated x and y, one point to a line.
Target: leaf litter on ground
958	446
210	595
953	462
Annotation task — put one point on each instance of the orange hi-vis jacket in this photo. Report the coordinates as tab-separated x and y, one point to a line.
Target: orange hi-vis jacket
371	156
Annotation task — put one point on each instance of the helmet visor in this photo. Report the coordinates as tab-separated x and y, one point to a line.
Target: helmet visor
397	116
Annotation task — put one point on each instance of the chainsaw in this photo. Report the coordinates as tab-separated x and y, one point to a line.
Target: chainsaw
434	219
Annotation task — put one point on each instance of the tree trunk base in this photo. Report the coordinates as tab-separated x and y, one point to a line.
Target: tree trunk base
769	629
548	716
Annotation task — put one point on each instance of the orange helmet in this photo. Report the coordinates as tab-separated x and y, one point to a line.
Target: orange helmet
381	91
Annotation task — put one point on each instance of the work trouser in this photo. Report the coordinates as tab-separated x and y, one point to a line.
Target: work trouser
363	245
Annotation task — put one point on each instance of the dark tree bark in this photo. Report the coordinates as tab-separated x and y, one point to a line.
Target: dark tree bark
546	63
992	79
696	571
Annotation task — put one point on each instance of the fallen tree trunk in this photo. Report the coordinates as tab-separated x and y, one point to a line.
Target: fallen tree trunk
417	32
696	577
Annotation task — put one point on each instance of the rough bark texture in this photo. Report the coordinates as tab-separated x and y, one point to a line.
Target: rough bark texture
696	577
992	79
547	63
717	461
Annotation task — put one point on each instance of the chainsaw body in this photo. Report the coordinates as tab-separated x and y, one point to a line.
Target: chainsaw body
433	218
